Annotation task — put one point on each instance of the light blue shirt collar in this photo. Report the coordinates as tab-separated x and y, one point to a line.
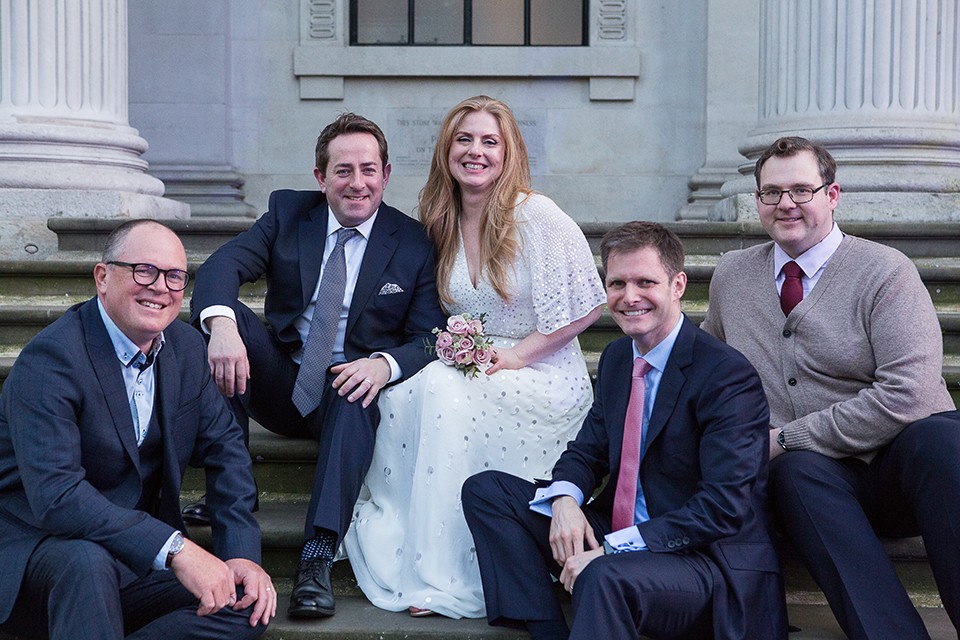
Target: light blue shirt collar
658	356
127	352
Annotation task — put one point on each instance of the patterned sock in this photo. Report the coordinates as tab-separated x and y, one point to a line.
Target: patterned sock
323	545
548	629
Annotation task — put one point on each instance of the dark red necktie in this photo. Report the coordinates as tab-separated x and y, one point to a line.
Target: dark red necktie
791	292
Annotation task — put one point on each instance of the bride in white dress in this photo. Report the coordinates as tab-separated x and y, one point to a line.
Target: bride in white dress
515	256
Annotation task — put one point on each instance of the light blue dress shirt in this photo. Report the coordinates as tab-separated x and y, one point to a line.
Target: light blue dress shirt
628	539
139	378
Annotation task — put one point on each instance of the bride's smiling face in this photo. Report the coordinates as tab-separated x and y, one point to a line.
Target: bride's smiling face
476	152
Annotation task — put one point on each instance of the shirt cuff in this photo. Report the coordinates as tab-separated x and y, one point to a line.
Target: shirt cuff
160	562
544	496
624	540
215	310
395	371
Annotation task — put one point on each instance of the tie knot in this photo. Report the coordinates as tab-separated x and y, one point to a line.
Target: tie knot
792	270
344	234
640	367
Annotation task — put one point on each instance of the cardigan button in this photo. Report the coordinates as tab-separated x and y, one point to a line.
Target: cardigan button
792	382
787	333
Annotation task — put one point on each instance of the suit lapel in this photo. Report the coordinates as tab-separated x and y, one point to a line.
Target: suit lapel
672	381
380	249
103	357
617	396
165	404
311	240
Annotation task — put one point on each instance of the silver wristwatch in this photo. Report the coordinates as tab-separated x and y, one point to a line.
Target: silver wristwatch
175	547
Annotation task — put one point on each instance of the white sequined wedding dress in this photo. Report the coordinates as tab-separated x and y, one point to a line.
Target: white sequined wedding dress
409	543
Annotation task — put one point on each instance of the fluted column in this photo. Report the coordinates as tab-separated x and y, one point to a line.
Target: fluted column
66	148
878	83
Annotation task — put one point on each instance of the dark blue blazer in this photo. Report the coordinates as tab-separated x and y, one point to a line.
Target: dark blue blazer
704	472
69	464
286	245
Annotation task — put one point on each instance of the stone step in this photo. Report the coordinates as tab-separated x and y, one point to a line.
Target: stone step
282	466
201	236
282	525
951	367
70	275
357	619
22	318
920	240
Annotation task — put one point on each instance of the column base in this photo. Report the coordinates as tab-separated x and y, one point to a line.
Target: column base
211	192
705	191
24	213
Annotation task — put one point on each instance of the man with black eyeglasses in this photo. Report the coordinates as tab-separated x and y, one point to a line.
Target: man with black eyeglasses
99	417
864	436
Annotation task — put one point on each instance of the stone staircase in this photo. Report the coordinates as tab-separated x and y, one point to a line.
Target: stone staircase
33	294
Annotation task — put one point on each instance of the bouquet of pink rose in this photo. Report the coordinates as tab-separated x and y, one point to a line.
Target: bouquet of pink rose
462	344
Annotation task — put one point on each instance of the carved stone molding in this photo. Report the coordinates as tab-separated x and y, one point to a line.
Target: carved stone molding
322	20
612	19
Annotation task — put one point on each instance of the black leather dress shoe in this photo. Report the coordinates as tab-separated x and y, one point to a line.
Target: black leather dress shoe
312	595
197	512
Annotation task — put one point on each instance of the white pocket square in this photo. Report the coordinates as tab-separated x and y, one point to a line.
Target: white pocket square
390	288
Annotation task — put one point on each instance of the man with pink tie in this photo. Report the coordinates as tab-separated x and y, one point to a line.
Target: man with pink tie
676	544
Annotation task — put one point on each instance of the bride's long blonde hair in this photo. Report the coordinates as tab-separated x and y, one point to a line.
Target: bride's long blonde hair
440	199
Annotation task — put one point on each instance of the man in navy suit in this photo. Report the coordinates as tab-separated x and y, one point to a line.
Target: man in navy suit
676	544
99	417
377	335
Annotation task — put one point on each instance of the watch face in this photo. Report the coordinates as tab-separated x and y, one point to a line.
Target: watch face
176	546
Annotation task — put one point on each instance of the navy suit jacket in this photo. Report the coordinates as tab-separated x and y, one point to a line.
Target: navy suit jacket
286	245
704	472
69	464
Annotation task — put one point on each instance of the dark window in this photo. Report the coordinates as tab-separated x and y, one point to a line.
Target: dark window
469	22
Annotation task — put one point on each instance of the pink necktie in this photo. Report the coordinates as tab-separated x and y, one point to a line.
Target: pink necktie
791	291
625	499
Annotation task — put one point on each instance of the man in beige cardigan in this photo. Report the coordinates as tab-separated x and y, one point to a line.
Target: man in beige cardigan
864	438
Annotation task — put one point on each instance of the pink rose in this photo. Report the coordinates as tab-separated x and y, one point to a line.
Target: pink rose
464	357
482	356
457	325
444	339
475	327
446	355
465	343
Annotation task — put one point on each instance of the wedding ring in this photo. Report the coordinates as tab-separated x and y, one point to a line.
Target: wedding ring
367	380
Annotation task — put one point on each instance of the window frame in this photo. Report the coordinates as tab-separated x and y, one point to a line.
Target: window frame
610	64
467	28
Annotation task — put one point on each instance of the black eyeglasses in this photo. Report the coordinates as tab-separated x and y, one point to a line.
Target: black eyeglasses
799	195
146	274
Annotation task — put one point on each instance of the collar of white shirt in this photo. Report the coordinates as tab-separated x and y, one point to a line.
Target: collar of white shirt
814	258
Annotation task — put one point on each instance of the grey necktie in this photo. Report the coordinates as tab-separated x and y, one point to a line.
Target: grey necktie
308	389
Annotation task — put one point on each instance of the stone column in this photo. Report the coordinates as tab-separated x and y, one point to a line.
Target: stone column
731	93
66	148
878	83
